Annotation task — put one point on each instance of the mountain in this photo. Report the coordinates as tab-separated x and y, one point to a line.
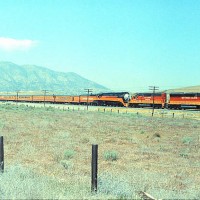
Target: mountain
186	89
15	77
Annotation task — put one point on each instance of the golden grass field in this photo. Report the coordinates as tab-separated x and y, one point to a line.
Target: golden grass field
48	154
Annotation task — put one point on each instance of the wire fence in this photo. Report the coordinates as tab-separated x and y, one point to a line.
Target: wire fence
161	113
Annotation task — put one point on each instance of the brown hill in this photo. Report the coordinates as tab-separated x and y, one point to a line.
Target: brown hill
15	77
186	89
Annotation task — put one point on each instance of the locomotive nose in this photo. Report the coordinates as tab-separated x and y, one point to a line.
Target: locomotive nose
126	97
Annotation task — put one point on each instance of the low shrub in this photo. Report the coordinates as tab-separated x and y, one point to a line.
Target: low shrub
187	140
184	153
157	135
66	164
142	132
69	154
111	155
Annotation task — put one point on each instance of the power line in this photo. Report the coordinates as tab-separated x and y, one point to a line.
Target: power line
45	92
88	91
17	96
153	88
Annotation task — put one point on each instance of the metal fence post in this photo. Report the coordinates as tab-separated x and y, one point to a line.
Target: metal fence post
94	168
1	154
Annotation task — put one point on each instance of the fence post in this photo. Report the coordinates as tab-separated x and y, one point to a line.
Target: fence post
173	115
1	154
111	110
94	168
104	110
118	111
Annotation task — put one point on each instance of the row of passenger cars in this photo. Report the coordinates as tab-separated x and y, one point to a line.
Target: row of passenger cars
123	99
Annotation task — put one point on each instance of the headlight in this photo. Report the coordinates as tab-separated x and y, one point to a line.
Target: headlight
126	97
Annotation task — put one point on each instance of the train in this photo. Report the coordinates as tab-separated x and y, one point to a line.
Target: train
160	100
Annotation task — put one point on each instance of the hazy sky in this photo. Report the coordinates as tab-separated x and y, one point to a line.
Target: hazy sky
122	44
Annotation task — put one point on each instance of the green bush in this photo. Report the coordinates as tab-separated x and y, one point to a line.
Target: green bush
111	155
142	132
187	140
69	154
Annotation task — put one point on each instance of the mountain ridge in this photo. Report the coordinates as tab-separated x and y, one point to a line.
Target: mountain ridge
34	78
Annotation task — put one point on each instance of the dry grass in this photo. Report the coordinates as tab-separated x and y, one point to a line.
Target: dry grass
157	155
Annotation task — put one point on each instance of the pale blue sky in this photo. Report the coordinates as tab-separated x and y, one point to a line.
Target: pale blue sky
122	44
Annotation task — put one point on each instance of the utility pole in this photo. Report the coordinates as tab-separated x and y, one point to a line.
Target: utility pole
153	88
45	92
17	96
88	91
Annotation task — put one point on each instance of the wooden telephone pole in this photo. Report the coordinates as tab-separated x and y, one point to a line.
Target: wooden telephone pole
17	97
45	92
153	88
88	92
